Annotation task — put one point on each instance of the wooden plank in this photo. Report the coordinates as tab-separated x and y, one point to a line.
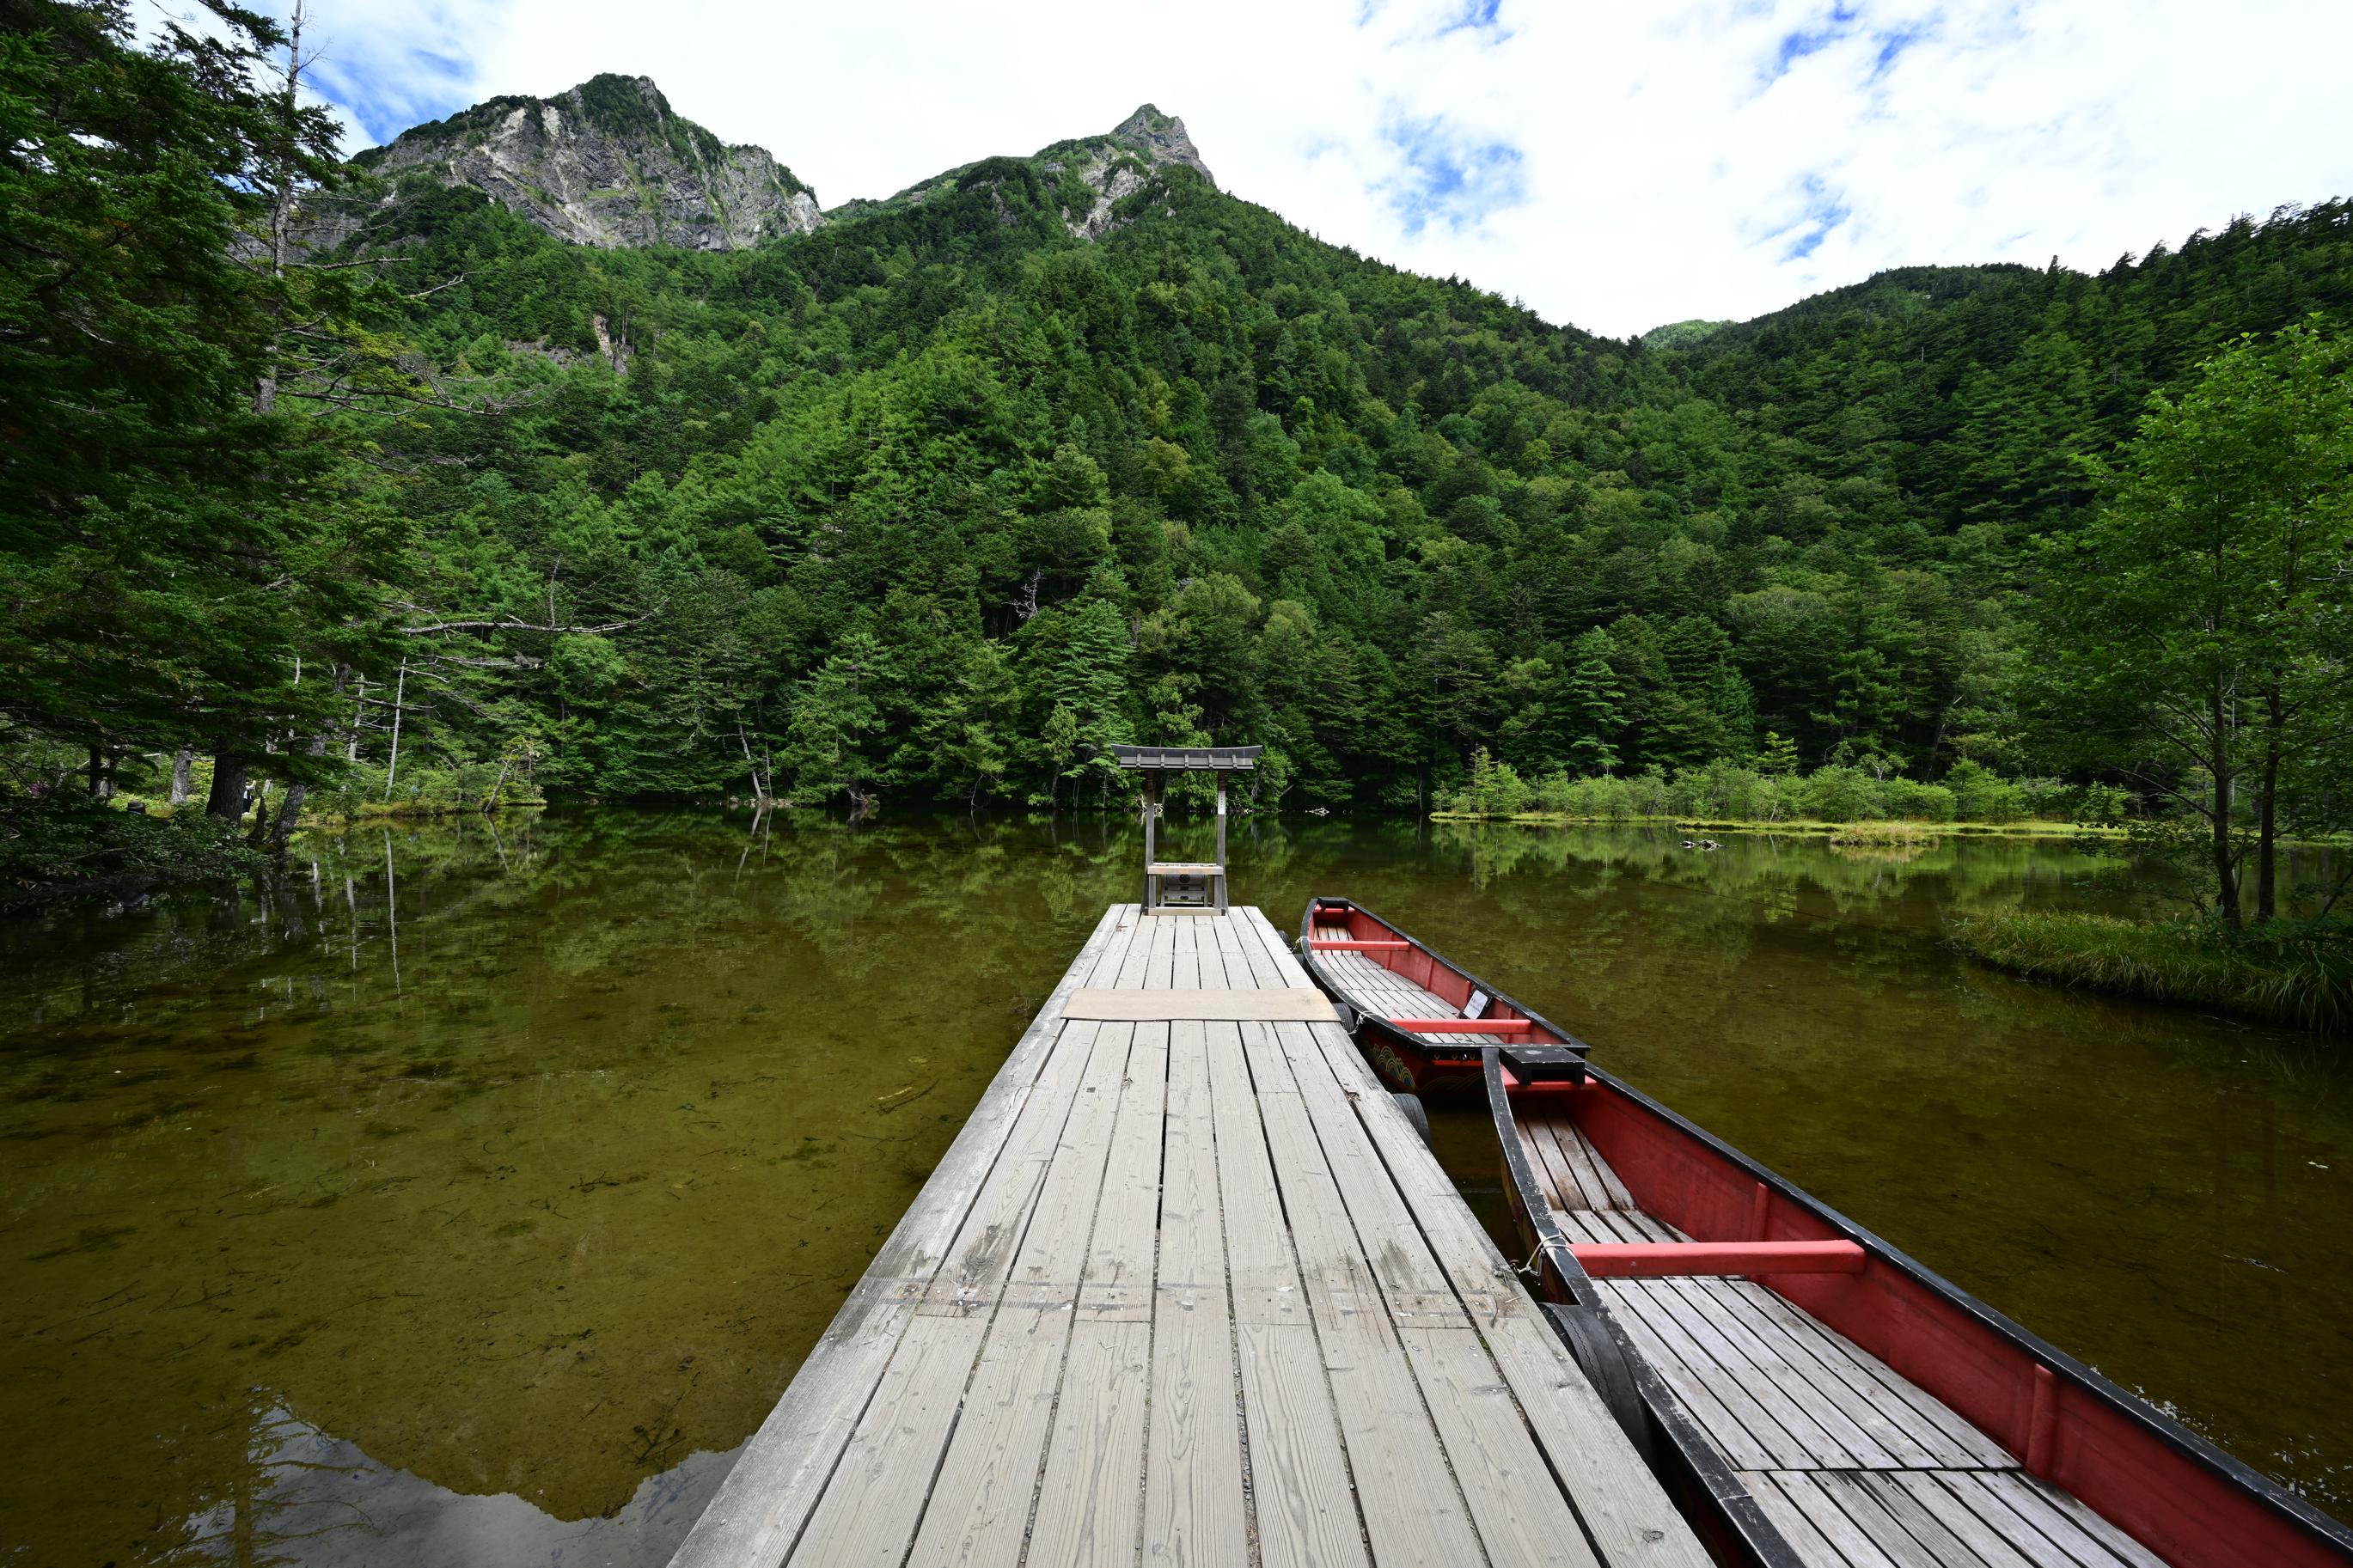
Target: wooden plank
1263	969
1103	970
1925	1418
1564	1190
873	1501
973	1275
1516	1504
2059	1516
1117	1278
761	1506
980	1508
1414	1285
979	1497
1300	1482
1090	1499
1823	1359
1868	1515
1811	1547
1259	1263
1931	1533
1091	1493
1193	1494
1300	1489
1742	1449
1594	1179
1622	1508
1296	1005
1802	1492
1737	1305
1413	1511
1185	971
1826	1437
1991	1545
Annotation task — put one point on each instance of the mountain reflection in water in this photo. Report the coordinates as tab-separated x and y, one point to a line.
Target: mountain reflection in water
470	1196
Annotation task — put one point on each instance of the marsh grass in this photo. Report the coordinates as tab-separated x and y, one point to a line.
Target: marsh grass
2297	973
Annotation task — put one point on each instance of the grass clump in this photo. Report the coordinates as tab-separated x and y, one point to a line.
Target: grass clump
2297	973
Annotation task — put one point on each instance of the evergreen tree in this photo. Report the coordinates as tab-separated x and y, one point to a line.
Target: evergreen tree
1593	698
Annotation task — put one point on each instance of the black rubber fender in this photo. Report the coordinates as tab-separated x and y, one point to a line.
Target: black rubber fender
1602	1359
1415	1112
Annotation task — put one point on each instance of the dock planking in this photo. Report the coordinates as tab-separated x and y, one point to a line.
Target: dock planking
1188	1289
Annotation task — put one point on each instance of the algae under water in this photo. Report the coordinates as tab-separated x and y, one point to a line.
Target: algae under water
468	1196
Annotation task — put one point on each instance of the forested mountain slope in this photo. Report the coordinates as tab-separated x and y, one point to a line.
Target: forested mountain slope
940	499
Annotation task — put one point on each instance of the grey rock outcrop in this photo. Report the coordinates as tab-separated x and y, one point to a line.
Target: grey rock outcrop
1110	166
1118	165
609	164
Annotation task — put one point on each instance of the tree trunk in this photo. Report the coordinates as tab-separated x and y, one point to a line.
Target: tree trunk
399	696
96	771
2226	868
2267	817
180	766
281	203
290	810
227	800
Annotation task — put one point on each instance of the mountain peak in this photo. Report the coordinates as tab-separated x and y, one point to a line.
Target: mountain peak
608	163
1160	138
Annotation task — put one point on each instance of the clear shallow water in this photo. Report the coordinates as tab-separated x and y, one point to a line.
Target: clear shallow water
470	1198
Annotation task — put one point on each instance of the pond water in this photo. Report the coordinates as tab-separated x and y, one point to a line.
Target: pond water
469	1198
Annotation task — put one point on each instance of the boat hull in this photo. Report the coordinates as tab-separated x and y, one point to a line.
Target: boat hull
2033	1412
2178	1495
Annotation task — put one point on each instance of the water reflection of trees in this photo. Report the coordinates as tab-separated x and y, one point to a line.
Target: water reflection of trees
1765	866
659	995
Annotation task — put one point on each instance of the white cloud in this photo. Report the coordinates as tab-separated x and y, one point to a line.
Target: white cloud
1616	166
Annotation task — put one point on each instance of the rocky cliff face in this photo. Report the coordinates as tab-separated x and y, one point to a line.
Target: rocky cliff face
609	164
1089	175
1114	166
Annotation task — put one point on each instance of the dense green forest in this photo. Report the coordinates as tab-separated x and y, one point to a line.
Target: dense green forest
932	504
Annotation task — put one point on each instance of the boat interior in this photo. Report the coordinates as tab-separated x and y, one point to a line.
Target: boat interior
1855	1464
1403	981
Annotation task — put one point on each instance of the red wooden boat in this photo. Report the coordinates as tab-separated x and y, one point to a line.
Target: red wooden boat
1813	1396
1421	1023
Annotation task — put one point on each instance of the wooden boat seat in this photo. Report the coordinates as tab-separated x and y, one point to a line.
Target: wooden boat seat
1374	981
1853	1461
1184	868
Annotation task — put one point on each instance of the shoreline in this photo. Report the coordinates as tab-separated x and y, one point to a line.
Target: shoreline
1864	828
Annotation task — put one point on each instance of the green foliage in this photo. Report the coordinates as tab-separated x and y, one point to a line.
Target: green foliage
1720	790
64	836
2298	972
938	503
2195	632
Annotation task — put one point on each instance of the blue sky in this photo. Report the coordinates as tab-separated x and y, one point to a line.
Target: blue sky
1614	165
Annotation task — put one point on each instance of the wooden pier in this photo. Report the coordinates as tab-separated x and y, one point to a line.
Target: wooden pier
1188	1289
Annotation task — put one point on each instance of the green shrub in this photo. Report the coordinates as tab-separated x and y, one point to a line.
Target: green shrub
1980	795
66	837
1842	794
2298	972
